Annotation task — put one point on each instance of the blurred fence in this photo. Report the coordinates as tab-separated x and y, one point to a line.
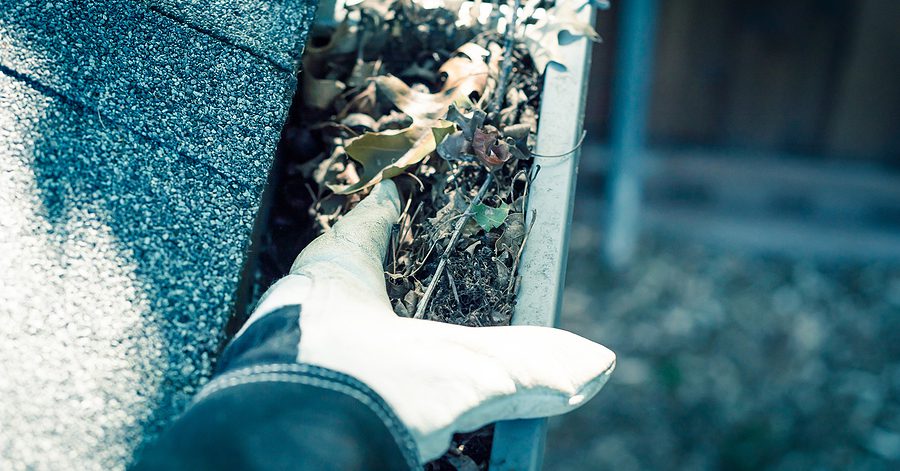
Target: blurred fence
730	83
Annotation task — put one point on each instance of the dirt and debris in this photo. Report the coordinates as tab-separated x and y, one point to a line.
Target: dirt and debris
444	100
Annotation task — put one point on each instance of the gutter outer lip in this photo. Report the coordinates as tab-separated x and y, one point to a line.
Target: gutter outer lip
519	444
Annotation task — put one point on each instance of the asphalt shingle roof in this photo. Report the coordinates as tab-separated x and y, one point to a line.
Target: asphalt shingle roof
135	140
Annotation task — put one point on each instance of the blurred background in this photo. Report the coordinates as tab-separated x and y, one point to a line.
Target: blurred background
737	238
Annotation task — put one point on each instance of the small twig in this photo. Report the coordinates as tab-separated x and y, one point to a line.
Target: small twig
423	303
512	273
524	196
407	226
506	67
431	247
421	261
405	212
336	125
393	248
448	221
455	293
417	179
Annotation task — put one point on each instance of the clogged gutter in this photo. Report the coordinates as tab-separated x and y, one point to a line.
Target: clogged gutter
442	98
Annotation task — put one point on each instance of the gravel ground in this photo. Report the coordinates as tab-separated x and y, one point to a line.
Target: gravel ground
732	361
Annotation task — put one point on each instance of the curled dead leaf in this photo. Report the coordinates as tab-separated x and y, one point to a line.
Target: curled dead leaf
394	120
468	121
320	93
363	102
513	235
359	122
419	105
502	272
452	147
362	72
343	40
466	73
488	147
517	131
543	37
387	154
330	167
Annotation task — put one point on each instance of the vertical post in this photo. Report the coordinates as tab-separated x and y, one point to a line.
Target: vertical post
631	101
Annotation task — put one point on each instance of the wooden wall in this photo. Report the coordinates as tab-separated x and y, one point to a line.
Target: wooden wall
813	77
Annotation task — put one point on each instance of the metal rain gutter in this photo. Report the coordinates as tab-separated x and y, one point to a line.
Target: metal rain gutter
519	444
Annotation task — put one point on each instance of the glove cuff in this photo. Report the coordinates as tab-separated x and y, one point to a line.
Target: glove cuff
322	378
267	353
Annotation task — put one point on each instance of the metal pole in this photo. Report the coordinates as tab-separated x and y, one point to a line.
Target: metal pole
631	101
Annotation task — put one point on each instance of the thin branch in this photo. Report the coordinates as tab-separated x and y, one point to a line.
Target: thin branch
512	273
423	303
506	67
455	293
417	179
393	247
408	223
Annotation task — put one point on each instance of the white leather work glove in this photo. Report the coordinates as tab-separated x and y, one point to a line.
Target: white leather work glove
438	378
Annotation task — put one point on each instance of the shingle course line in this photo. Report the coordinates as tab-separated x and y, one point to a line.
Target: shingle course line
220	38
84	107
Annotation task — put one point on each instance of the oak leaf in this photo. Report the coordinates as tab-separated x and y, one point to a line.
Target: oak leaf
543	37
387	154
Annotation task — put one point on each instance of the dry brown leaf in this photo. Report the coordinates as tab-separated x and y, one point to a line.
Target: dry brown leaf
424	74
513	234
363	102
343	40
320	93
418	105
488	148
453	146
387	154
467	120
362	72
542	37
394	120
466	74
411	300
502	272
329	167
360	122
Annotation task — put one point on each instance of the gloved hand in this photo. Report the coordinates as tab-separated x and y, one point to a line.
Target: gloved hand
438	378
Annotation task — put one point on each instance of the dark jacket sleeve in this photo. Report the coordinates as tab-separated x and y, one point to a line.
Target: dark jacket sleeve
265	411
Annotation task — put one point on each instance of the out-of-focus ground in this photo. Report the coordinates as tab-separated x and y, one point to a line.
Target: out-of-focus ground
731	360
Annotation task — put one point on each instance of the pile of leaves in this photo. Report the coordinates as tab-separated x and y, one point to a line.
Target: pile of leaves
443	98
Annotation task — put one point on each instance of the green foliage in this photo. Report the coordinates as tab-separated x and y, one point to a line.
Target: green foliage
489	218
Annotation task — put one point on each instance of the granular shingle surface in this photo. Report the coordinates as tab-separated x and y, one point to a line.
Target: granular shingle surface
269	29
149	73
133	151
